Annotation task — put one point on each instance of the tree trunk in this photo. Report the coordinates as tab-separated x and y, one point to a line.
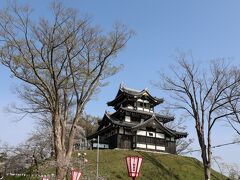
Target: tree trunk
61	173
206	163
36	163
207	168
209	151
52	145
62	165
60	152
207	172
205	155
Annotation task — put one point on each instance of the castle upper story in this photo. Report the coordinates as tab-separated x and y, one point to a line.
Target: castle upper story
135	99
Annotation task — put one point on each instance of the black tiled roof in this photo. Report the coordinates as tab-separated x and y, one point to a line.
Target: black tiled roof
134	126
135	93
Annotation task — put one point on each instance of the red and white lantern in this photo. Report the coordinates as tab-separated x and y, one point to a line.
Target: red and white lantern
134	164
45	178
76	175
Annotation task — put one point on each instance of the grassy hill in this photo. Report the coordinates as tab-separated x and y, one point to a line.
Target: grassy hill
155	166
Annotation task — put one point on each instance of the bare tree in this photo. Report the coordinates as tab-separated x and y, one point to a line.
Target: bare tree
203	93
62	63
230	170
234	105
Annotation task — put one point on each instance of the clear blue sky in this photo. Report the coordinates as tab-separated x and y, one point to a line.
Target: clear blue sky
210	29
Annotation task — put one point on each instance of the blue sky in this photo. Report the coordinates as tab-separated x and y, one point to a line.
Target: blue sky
210	29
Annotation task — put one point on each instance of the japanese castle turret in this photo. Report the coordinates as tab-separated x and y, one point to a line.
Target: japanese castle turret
135	125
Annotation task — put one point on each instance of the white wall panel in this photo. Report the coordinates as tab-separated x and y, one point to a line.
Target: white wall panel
161	148
141	133
121	130
127	118
160	135
101	145
141	145
150	146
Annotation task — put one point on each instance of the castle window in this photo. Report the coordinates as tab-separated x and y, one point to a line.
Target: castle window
141	139
127	132
150	140
146	105
143	105
140	106
150	134
160	142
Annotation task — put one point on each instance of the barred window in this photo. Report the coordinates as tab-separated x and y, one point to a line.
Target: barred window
150	140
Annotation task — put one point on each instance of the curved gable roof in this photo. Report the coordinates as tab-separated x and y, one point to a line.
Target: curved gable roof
168	131
123	91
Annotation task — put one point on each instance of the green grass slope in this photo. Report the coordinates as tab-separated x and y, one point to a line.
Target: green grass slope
155	166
